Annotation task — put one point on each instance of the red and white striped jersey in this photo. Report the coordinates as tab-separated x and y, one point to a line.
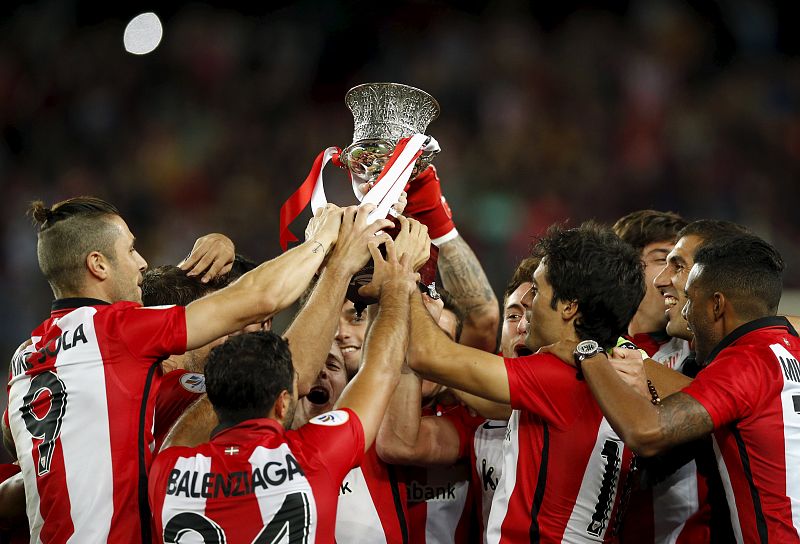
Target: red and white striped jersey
751	390
372	504
669	512
81	402
257	482
670	352
439	497
565	472
487	466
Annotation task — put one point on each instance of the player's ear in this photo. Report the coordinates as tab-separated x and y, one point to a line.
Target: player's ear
97	264
282	405
719	303
569	309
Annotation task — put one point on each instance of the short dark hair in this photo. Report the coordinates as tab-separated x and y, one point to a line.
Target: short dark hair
451	304
644	227
746	269
709	230
68	232
169	284
246	374
523	273
593	266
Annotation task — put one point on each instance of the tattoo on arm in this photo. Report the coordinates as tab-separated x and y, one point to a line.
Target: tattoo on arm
463	276
683	419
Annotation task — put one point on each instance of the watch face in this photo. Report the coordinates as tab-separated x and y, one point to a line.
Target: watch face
587	347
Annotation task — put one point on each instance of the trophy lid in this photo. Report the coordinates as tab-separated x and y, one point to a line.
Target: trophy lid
389	111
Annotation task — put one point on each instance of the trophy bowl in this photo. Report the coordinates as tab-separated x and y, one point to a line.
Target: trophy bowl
383	113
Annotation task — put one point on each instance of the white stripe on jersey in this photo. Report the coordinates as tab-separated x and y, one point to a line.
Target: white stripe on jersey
726	483
673	353
674	501
586	503
179	502
357	518
269	499
790	399
23	443
508	479
85	431
488	445
442	515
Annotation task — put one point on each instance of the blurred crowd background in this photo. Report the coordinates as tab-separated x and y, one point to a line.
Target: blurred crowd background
549	113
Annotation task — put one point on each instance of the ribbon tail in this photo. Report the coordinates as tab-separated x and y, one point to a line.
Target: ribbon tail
295	204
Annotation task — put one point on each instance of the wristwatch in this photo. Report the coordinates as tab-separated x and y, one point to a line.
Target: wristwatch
585	350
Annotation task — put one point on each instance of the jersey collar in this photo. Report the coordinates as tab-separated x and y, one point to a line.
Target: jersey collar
76	302
245	429
760	323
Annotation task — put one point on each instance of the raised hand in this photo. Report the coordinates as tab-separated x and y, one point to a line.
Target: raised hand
323	228
413	240
389	272
211	256
630	367
355	233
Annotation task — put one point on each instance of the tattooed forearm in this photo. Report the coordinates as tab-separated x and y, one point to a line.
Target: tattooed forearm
463	276
683	419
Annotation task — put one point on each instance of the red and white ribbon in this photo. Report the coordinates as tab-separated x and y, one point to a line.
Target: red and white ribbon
384	193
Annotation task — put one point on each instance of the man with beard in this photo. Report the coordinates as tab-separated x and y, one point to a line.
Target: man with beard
671	283
671	503
565	471
81	390
745	396
255	480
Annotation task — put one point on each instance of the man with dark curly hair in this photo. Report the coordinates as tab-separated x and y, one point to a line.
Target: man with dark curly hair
565	470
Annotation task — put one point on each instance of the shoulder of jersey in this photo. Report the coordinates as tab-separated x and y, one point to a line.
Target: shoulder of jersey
331	419
193	382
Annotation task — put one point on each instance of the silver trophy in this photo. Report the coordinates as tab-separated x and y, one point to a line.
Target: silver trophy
383	114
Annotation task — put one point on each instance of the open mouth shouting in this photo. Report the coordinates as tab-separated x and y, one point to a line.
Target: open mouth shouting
521	350
319	395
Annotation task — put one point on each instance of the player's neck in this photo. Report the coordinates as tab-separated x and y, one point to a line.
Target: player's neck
641	324
87	291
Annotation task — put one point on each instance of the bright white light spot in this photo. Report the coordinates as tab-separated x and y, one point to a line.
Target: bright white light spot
143	34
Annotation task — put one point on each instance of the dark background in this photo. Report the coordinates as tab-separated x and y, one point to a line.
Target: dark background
585	110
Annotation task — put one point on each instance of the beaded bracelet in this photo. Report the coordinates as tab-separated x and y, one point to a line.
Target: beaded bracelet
654	398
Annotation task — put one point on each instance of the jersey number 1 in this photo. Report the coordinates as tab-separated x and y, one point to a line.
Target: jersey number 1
293	518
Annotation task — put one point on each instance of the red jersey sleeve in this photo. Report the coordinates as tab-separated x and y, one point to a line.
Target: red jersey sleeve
149	332
542	384
339	438
177	391
729	387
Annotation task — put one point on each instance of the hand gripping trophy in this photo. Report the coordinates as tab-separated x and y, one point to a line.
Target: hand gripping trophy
389	149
